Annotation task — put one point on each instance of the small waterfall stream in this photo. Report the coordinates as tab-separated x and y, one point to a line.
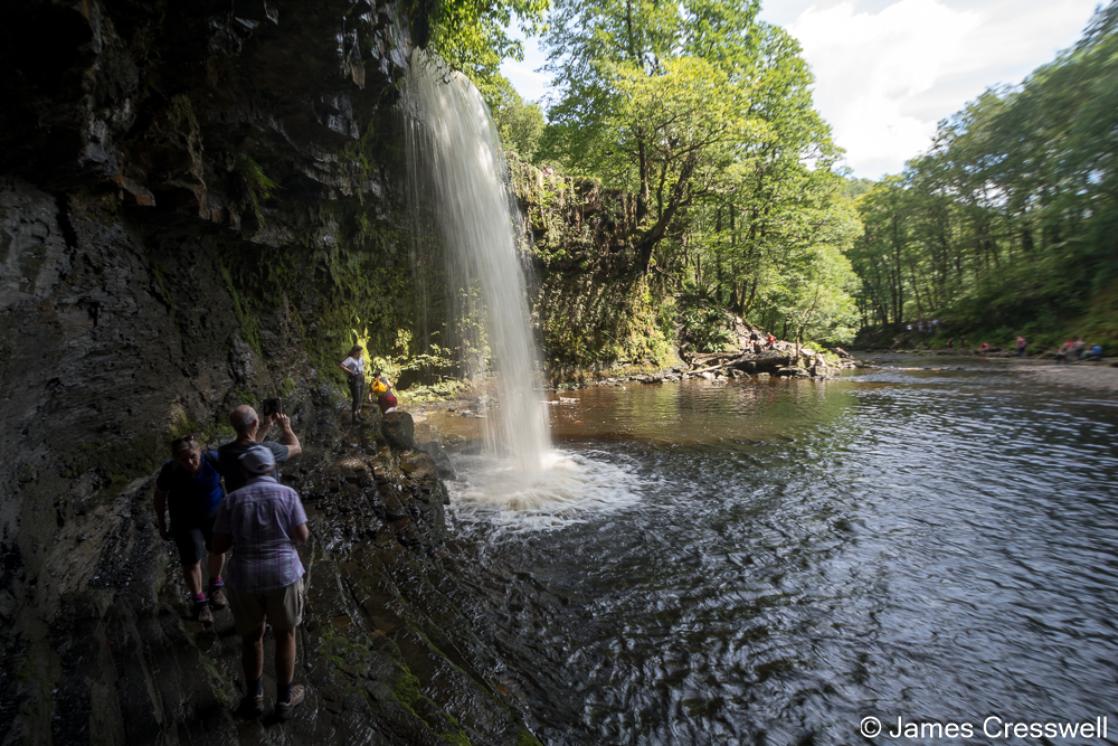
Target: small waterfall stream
457	166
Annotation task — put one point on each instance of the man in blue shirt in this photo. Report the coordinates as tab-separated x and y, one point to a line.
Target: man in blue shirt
190	485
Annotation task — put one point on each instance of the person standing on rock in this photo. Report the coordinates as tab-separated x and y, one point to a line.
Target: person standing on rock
262	523
246	423
190	485
354	366
1022	344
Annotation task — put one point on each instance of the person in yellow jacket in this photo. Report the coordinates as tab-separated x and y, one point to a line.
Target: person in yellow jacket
382	393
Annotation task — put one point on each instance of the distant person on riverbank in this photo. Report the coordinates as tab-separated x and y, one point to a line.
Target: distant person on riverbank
354	366
246	424
755	344
770	341
1021	345
1095	353
262	523
190	485
1078	347
983	348
1064	352
382	392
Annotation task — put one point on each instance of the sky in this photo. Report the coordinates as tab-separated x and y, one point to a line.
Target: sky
886	71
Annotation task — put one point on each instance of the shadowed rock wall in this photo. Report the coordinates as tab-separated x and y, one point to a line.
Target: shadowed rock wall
198	202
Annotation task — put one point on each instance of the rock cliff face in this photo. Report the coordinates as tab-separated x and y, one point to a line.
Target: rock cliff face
593	309
197	204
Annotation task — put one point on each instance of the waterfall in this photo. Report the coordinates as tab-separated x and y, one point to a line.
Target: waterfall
456	165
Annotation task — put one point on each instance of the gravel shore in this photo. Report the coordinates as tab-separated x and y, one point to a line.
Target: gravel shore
1101	376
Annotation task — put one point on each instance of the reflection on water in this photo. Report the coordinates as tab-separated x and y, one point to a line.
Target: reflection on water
787	558
673	414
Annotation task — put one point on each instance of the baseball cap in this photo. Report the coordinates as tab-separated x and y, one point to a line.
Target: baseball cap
258	460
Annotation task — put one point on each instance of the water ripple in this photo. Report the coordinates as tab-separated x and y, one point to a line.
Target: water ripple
935	544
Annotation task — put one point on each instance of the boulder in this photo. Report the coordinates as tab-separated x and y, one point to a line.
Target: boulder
418	465
443	468
398	429
395	505
768	361
792	372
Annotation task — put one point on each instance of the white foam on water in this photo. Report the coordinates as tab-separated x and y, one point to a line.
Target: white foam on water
567	488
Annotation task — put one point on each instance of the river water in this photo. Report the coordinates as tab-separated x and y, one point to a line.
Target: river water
772	562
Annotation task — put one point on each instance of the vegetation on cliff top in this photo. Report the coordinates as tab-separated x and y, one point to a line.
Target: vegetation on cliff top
473	36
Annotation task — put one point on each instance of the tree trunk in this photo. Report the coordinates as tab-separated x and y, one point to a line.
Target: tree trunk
646	244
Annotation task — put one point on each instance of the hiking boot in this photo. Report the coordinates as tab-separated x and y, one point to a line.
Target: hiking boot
284	709
252	706
217	597
203	614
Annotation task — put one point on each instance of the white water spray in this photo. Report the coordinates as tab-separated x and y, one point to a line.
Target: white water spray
454	154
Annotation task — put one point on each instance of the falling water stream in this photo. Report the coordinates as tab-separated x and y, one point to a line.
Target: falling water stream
457	173
457	162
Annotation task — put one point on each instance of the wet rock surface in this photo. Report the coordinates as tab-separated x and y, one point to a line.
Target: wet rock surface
196	202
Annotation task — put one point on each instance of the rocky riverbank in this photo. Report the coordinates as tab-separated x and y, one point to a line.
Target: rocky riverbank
748	359
1100	376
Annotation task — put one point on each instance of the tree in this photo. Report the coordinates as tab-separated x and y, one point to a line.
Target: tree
472	35
1008	219
519	123
649	94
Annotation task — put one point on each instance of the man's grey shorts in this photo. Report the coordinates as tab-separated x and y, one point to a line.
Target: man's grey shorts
283	608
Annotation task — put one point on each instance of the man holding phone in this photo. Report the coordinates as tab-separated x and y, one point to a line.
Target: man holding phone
247	425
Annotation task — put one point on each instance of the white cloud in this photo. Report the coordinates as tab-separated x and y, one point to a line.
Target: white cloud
525	76
869	67
530	84
884	77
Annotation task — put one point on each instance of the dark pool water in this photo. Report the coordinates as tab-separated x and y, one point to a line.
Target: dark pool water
940	545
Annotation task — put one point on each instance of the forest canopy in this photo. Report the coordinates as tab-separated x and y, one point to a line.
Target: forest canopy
1007	224
704	113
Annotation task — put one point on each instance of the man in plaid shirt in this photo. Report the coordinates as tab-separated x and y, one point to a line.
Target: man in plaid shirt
262	522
